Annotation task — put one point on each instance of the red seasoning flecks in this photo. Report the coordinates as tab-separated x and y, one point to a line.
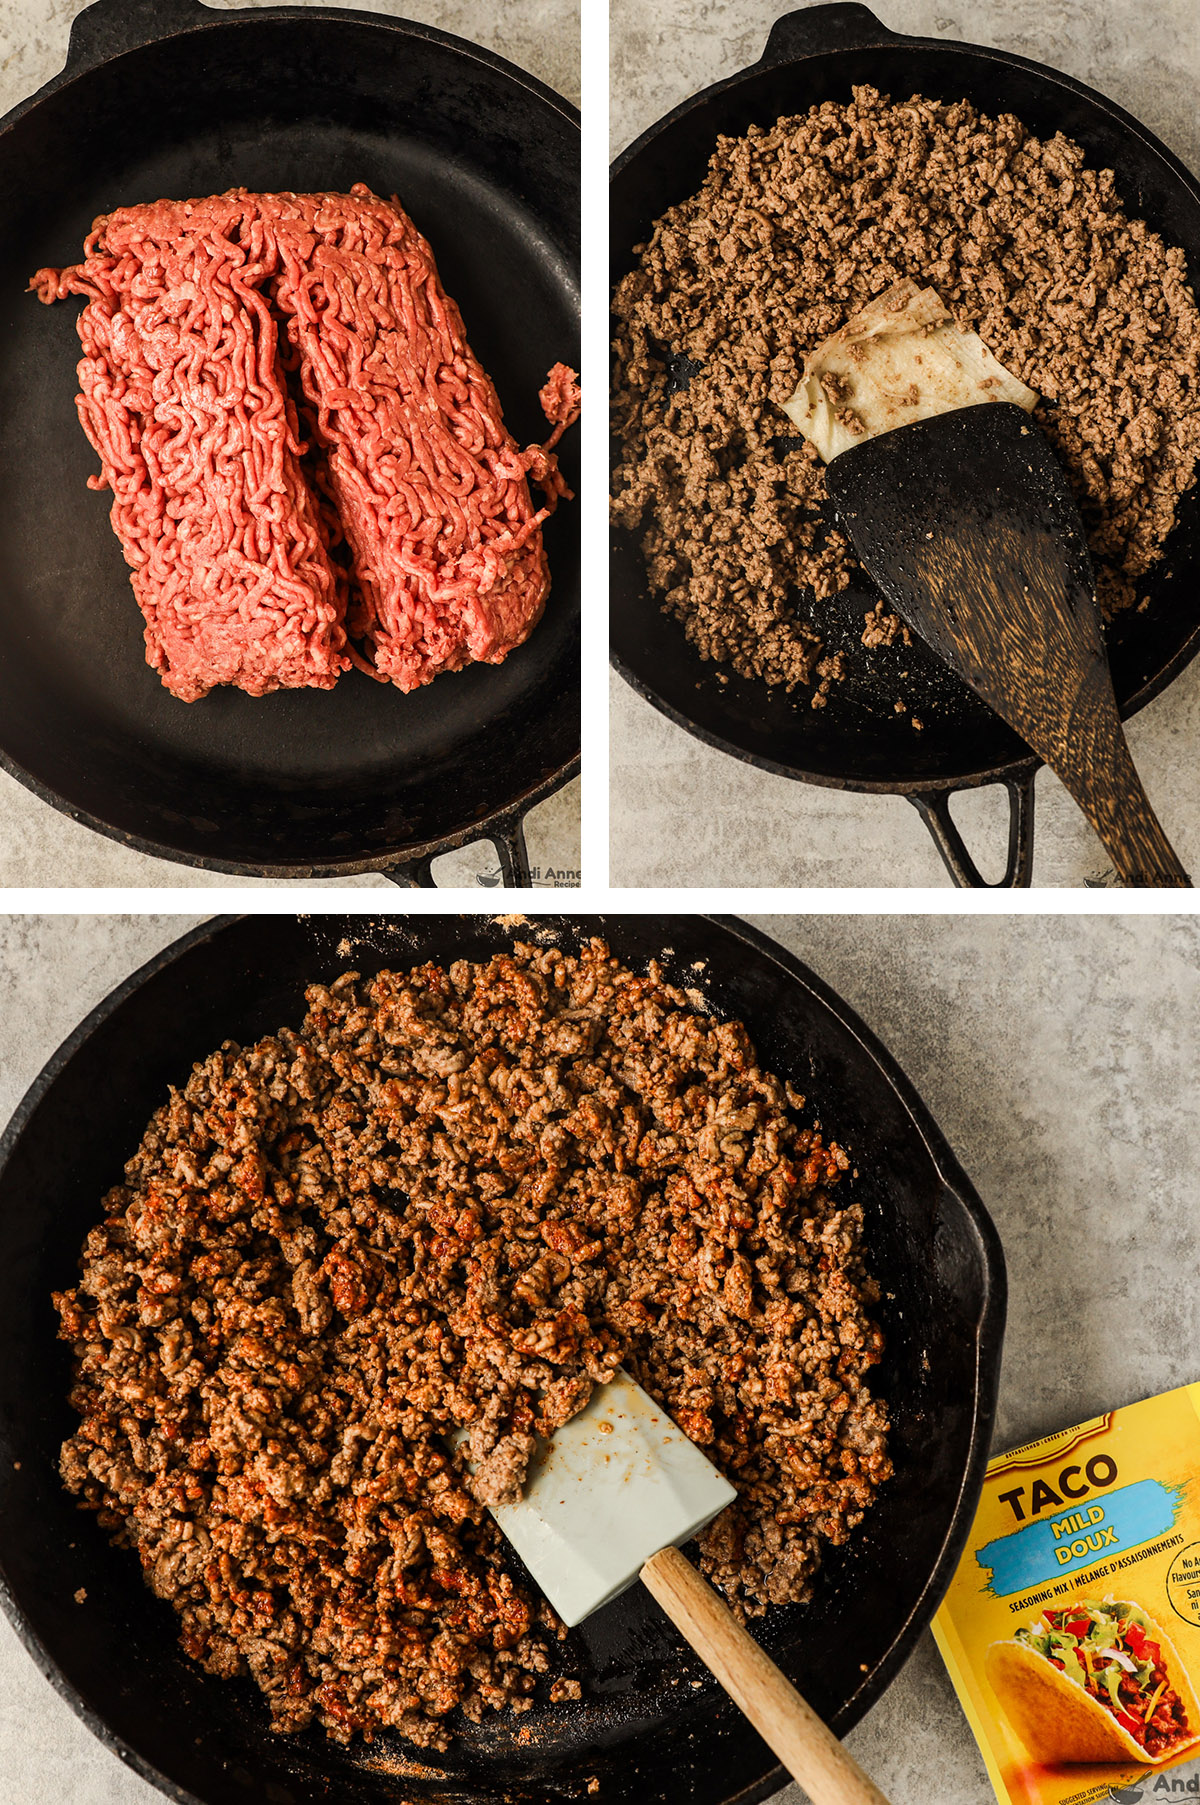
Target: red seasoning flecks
455	1200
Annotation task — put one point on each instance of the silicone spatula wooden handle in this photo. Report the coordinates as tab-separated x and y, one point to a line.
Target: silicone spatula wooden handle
789	1726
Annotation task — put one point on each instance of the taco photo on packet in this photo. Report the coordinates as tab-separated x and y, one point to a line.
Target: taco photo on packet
1095	1681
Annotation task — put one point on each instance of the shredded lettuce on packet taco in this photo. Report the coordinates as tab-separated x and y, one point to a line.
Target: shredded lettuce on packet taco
1095	1681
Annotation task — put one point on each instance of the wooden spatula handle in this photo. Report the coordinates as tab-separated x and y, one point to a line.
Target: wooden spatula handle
1110	793
809	1751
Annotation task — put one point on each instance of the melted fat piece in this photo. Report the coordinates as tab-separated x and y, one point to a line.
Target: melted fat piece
900	358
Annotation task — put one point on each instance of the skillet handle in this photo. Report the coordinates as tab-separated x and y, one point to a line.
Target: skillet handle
110	27
841	27
933	806
416	875
507	836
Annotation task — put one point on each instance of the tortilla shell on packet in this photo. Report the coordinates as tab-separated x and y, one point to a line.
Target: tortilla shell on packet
1058	1721
1071	1625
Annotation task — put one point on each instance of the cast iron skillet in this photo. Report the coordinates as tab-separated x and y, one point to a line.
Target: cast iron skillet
858	742
167	97
641	1730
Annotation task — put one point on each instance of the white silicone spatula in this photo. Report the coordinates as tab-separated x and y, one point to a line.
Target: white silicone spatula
606	1503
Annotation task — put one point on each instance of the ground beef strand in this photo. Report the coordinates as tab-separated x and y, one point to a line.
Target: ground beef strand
402	517
794	229
456	1199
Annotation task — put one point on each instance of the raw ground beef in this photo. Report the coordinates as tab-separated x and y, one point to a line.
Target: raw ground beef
458	1199
183	397
794	229
402	519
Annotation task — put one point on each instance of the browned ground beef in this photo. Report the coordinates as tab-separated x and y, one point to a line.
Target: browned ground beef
458	1198
794	229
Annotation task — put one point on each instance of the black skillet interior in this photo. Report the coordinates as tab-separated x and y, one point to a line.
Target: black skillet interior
652	1726
175	99
858	741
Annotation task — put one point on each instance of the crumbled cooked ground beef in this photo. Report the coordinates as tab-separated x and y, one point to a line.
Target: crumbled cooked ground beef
794	229
456	1199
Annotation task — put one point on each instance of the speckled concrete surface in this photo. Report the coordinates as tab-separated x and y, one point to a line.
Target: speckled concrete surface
684	814
39	846
1059	1057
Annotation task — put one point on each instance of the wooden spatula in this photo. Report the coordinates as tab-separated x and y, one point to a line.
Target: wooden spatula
606	1502
966	523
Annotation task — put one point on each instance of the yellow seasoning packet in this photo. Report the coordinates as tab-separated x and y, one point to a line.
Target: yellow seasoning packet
1071	1628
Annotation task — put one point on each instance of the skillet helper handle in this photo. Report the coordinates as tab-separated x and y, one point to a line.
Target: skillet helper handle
843	26
933	806
811	1753
110	27
416	875
507	837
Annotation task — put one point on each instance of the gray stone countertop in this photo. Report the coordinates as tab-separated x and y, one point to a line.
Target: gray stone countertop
683	814
1058	1055
38	845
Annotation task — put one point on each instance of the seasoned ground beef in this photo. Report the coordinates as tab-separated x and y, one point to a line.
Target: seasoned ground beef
457	1199
794	229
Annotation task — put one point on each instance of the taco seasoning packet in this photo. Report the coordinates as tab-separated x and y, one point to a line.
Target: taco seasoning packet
1072	1626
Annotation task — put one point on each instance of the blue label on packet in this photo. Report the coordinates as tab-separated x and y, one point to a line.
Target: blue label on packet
1080	1537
